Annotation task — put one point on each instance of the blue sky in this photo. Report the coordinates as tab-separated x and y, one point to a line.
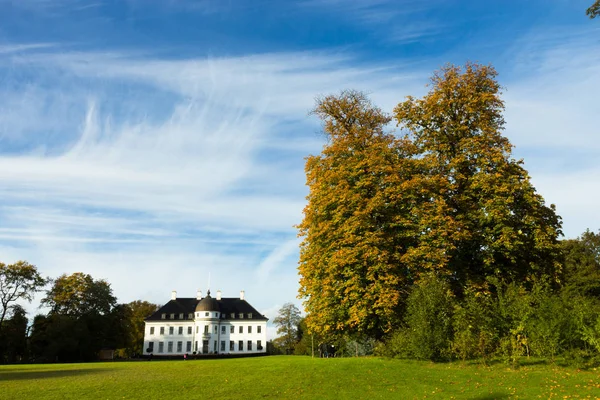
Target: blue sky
154	142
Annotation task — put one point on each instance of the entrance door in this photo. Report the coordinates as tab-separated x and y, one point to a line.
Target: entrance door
205	347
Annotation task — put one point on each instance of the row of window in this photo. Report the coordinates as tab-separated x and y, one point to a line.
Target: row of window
206	314
206	329
204	349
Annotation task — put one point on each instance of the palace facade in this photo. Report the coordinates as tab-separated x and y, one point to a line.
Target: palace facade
205	325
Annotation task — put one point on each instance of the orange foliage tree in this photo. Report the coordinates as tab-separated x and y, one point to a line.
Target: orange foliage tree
446	197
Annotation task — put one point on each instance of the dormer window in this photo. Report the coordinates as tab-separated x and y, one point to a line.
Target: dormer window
232	315
241	316
180	315
249	315
173	316
216	315
163	316
191	316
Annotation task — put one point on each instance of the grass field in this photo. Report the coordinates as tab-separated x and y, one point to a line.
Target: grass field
292	378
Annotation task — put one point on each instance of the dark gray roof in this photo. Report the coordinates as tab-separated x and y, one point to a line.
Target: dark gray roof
187	306
208	304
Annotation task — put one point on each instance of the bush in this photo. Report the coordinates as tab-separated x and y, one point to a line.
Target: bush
429	319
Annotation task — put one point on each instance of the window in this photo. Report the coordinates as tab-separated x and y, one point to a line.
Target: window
258	345
163	316
189	330
152	330
161	347
197	329
241	345
241	329
232	329
258	329
172	316
249	345
216	329
196	346
205	328
188	346
206	314
162	330
241	316
150	347
180	331
249	315
171	329
223	329
179	347
249	329
215	346
169	347
191	316
180	315
232	315
231	345
222	345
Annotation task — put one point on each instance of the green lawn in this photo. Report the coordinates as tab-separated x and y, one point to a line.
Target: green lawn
293	377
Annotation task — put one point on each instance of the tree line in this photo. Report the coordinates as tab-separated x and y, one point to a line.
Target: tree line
432	242
83	318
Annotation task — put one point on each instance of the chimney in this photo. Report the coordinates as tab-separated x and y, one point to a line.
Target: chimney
242	295
218	295
173	295
199	295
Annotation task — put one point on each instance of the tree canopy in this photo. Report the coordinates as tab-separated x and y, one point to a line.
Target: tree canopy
594	9
445	197
79	294
18	281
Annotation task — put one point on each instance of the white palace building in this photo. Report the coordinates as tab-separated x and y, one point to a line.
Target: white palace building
205	325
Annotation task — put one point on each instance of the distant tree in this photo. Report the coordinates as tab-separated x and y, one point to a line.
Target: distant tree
594	9
13	339
136	312
18	281
79	294
287	322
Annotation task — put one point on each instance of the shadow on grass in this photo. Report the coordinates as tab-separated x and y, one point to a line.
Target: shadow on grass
25	375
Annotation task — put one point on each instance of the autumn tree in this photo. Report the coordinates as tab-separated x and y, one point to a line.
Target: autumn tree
482	216
287	321
18	281
357	225
594	9
79	294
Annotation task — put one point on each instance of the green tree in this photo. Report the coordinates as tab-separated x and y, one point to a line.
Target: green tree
136	312
13	340
79	294
357	225
581	274
430	306
482	216
287	321
594	9
18	281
